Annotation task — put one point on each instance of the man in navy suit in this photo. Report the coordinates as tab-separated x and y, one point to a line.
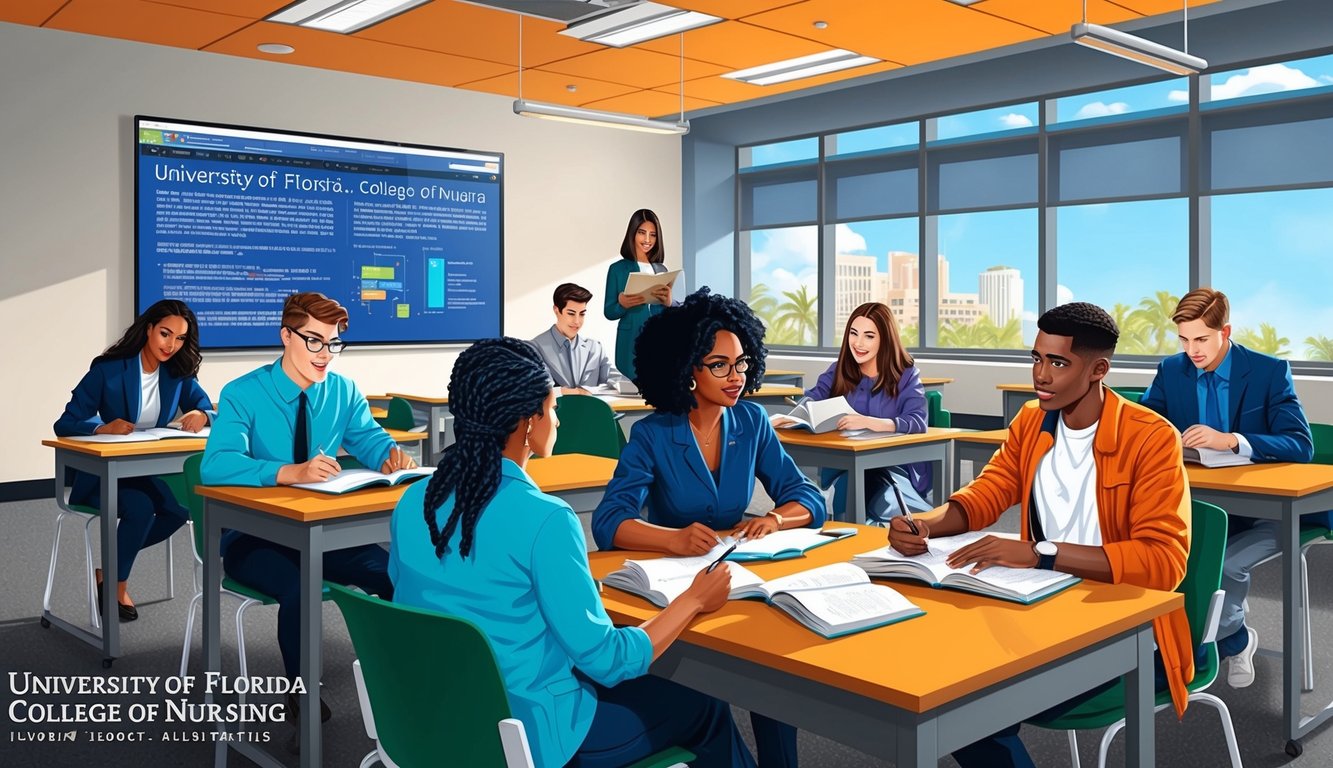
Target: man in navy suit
1223	396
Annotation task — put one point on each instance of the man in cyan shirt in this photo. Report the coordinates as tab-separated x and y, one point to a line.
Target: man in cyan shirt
282	424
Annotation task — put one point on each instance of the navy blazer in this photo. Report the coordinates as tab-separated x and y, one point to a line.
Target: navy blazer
1263	403
662	465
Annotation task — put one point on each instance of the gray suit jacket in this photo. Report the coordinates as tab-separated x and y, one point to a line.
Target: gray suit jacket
586	365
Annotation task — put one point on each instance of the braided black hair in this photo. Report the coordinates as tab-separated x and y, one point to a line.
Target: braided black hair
495	383
672	343
1093	330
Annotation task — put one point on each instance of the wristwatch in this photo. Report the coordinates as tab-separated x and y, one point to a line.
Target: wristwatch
777	517
1046	552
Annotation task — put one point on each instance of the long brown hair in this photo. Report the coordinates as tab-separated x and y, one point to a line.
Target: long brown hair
185	363
658	254
891	360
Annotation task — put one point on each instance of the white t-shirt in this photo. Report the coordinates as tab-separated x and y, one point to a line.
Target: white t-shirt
645	266
150	402
1066	488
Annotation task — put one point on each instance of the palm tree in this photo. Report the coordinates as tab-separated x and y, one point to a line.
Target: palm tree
800	312
1007	336
959	335
1319	348
762	301
909	335
1266	340
1154	316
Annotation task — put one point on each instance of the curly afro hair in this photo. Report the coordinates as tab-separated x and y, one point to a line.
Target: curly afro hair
672	343
1092	329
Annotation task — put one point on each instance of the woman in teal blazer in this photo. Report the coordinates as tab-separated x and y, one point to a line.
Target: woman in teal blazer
640	251
116	396
694	461
481	541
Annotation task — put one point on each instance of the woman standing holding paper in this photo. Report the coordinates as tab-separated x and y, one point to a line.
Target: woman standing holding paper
640	251
881	383
140	382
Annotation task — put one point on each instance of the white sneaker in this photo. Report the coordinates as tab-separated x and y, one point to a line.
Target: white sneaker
1240	670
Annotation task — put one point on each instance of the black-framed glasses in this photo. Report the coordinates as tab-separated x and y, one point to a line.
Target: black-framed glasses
315	344
722	370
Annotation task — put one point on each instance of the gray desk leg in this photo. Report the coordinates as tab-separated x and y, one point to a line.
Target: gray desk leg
438	438
918	746
312	585
213	611
110	557
1139	694
856	493
1293	613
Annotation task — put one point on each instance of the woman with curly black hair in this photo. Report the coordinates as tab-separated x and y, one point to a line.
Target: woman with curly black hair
694	461
513	561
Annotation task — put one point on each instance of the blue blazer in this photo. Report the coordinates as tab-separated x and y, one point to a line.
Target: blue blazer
109	391
1263	403
632	319
662	465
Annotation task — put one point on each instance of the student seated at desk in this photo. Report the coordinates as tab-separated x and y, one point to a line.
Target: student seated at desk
145	380
694	461
1103	493
482	542
282	424
574	362
882	384
1223	396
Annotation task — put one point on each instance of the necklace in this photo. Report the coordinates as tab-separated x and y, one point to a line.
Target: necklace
707	439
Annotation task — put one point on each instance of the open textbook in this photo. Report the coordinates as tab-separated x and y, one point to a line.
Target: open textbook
355	479
781	545
1021	585
832	600
140	435
642	282
1210	457
818	416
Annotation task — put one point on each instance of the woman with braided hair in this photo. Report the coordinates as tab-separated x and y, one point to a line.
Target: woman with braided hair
482	542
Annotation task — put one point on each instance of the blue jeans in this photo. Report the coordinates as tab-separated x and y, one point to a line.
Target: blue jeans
647	714
148	511
276	571
881	504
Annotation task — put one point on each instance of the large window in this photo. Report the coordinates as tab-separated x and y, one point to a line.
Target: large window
784	279
877	261
987	269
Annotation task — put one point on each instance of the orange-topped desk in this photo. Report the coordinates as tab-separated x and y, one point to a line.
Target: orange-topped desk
969	667
110	463
856	456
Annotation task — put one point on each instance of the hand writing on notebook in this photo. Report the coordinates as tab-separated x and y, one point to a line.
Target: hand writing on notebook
317	470
902	538
693	539
993	550
756	528
193	421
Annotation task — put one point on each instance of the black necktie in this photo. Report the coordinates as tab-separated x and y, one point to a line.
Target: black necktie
301	441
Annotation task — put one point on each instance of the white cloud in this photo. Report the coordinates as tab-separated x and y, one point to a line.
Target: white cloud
1063	295
1326	79
1101	109
781	258
848	240
1015	120
1178	95
782	281
1029	317
1269	78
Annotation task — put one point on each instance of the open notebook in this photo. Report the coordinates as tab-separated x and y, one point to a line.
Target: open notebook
1210	457
355	479
833	600
1021	585
781	545
817	416
140	435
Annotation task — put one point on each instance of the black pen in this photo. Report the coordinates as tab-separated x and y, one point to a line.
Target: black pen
720	558
907	513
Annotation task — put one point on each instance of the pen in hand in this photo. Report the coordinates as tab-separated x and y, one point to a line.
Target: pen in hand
720	558
902	505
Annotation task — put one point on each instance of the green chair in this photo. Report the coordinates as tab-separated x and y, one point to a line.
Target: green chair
400	415
1312	534
423	712
936	416
67	509
1203	606
587	425
1131	394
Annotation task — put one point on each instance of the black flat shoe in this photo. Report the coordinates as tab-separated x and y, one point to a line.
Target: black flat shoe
126	612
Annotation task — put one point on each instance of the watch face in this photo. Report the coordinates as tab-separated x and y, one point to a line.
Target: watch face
1046	548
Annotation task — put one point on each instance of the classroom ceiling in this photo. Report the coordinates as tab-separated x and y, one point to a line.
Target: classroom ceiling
460	45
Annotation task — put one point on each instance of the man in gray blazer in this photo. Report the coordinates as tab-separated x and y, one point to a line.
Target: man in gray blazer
574	362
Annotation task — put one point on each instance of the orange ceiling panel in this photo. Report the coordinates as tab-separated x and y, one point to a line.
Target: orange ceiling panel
250	9
903	31
730	9
651	103
550	87
30	12
1155	7
480	33
1053	17
329	50
728	91
146	22
632	66
735	45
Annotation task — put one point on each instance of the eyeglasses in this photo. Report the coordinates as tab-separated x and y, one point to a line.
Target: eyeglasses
721	370
315	344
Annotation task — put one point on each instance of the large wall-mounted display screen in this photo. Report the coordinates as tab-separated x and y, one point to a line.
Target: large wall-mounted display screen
232	219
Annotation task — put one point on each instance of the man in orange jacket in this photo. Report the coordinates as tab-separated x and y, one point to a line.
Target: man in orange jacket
1103	495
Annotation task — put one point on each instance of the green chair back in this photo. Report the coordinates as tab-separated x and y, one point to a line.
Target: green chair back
400	415
936	416
587	425
1131	394
1323	443
434	685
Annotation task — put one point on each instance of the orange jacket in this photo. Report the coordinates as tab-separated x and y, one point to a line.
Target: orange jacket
1143	505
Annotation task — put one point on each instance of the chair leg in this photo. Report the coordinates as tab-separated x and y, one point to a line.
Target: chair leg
1105	747
240	640
189	632
1073	748
94	617
1227	728
51	569
171	567
370	759
1309	644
